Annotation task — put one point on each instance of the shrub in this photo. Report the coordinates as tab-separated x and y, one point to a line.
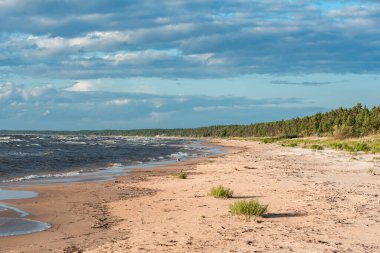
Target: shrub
362	147
182	175
343	132
248	208
316	147
221	192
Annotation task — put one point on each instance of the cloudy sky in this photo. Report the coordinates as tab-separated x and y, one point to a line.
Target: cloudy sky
100	64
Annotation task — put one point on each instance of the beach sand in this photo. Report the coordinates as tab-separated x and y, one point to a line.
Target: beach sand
319	201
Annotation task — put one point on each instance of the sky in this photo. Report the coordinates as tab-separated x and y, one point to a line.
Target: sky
126	64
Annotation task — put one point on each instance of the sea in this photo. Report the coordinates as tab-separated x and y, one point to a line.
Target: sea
29	159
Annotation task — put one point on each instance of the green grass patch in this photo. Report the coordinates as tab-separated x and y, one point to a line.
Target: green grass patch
221	192
353	145
182	175
269	140
248	208
317	147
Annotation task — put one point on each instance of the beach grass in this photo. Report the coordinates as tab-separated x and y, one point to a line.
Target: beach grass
221	192
372	171
248	208
182	175
369	144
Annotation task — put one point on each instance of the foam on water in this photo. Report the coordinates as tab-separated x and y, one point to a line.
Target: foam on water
32	177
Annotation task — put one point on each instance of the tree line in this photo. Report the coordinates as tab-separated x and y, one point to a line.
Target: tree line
340	123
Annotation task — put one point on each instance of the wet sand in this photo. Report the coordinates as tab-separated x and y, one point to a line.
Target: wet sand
319	201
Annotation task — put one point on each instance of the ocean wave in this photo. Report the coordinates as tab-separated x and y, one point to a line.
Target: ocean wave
5	137
8	139
33	177
114	165
179	155
75	142
23	154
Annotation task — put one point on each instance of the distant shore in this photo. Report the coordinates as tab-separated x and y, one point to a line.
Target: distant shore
319	201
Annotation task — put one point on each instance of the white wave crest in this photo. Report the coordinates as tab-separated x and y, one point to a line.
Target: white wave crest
31	177
179	155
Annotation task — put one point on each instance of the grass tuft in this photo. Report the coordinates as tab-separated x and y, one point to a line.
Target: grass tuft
316	147
221	192
372	171
369	144
182	175
248	208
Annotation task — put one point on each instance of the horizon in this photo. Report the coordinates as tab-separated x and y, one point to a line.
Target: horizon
67	66
189	128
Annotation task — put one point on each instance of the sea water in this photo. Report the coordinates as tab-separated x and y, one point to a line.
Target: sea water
43	159
19	225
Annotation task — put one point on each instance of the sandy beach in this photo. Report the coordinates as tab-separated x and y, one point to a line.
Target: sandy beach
319	201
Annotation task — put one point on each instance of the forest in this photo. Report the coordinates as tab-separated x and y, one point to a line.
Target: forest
340	123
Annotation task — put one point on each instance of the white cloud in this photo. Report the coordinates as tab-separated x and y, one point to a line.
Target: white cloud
81	86
10	90
140	57
119	102
6	90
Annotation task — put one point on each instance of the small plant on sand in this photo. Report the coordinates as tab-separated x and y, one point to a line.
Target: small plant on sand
371	171
182	175
221	192
248	208
316	147
72	249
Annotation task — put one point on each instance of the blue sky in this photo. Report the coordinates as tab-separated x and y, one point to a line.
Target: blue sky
173	63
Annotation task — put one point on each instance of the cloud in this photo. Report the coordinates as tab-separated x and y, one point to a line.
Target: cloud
313	83
80	86
45	107
193	39
12	91
120	102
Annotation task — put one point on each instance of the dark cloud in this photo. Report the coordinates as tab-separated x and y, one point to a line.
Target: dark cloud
195	39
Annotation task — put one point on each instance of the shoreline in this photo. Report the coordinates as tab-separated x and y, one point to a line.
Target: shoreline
34	208
15	221
313	197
